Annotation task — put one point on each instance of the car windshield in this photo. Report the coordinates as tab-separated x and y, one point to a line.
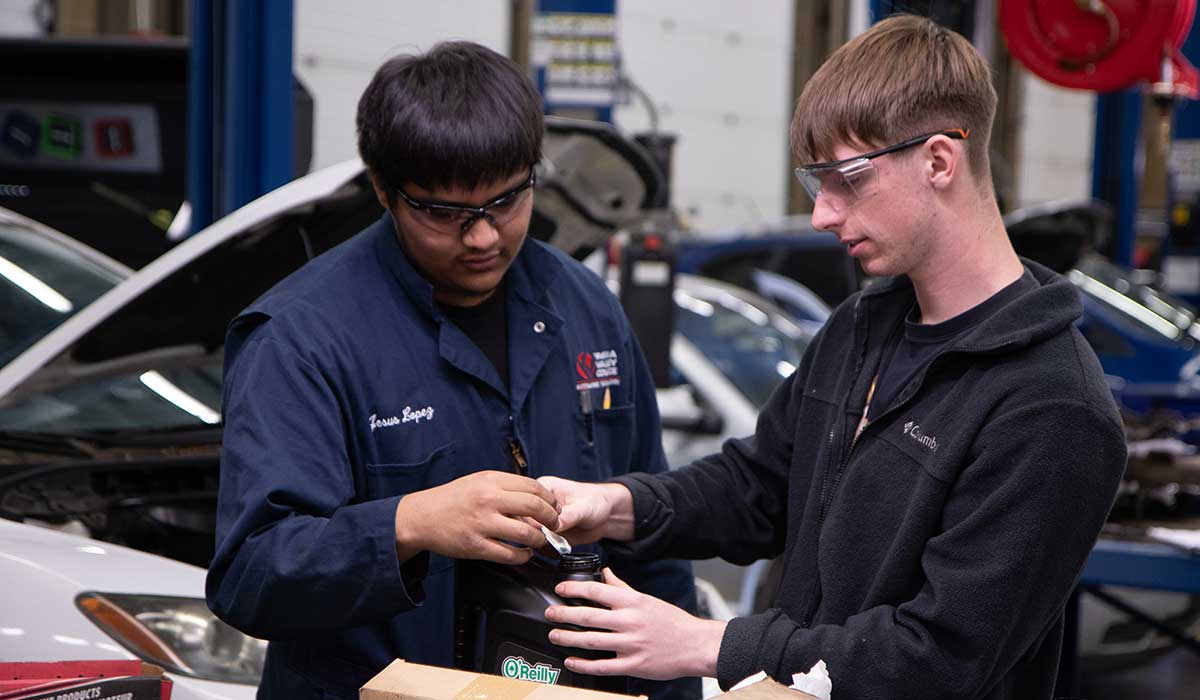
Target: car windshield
1153	312
144	399
754	347
42	283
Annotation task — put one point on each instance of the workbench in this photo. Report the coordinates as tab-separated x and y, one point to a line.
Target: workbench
1135	564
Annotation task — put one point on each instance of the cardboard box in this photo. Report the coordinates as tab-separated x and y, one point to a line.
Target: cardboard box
405	681
767	689
83	680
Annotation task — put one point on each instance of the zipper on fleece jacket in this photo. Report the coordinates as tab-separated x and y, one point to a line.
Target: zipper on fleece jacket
826	489
814	594
906	395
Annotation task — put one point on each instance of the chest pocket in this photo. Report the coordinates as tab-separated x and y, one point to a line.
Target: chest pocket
924	450
605	440
397	479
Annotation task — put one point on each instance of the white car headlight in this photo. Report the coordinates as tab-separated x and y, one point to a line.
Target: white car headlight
180	634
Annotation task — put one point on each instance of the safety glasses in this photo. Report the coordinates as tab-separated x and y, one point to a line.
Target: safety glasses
841	183
457	219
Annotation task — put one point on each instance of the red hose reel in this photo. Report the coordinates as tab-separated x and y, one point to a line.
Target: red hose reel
1103	45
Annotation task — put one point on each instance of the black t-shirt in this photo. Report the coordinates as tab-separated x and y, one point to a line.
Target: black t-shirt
486	324
911	347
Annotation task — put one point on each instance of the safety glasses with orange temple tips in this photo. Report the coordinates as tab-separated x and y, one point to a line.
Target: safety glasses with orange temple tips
841	183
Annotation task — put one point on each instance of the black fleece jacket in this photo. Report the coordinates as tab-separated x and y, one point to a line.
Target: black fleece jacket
933	556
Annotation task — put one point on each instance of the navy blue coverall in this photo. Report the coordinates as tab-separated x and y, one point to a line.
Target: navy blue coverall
347	388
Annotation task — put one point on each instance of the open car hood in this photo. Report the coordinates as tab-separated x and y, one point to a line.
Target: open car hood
592	182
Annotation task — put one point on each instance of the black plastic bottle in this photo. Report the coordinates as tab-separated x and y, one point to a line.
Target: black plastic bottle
501	626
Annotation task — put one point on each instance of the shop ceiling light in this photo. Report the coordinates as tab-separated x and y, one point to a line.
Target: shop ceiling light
34	287
180	398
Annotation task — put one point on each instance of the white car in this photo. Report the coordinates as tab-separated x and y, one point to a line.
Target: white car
45	278
71	597
730	350
126	392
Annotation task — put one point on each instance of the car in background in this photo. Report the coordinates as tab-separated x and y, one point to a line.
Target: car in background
789	248
730	350
1147	341
798	301
110	419
45	278
72	597
111	422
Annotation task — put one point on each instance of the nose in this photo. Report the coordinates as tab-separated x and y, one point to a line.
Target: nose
482	234
825	217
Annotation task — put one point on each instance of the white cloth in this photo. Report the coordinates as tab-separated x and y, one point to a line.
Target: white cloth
816	682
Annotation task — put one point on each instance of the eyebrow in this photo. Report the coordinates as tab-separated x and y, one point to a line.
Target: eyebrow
462	205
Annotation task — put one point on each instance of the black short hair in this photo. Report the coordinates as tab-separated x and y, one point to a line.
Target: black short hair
460	115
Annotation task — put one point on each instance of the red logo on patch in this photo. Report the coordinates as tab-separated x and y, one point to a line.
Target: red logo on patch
585	366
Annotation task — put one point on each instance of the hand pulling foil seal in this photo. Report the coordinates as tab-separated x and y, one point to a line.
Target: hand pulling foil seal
560	543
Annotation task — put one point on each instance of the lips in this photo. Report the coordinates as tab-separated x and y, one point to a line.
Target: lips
852	244
481	263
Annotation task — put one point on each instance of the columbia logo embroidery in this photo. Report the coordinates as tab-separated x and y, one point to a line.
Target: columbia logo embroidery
913	430
408	415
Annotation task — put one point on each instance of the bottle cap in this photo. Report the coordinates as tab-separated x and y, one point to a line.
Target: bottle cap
585	562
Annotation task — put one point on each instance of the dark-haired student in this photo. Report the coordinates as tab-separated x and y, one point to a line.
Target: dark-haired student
388	407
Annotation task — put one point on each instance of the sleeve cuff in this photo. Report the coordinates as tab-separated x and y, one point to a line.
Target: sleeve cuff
408	576
740	656
650	513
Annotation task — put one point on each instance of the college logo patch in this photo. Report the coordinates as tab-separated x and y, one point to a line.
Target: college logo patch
596	369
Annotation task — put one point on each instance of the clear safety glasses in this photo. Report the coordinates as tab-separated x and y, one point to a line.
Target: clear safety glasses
841	183
457	219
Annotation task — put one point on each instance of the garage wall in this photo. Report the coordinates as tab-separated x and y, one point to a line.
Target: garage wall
338	46
17	18
720	77
731	156
1057	135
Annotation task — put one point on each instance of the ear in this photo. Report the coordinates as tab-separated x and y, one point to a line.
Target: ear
381	192
944	160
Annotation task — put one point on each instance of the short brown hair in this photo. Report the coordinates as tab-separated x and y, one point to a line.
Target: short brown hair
904	76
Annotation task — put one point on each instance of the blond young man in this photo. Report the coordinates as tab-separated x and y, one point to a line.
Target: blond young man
934	474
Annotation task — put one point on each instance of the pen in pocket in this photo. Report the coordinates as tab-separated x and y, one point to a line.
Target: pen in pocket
585	406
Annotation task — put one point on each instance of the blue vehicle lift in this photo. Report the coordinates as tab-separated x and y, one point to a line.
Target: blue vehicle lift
240	105
1114	178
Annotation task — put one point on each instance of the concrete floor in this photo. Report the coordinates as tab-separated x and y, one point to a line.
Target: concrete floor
1174	676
